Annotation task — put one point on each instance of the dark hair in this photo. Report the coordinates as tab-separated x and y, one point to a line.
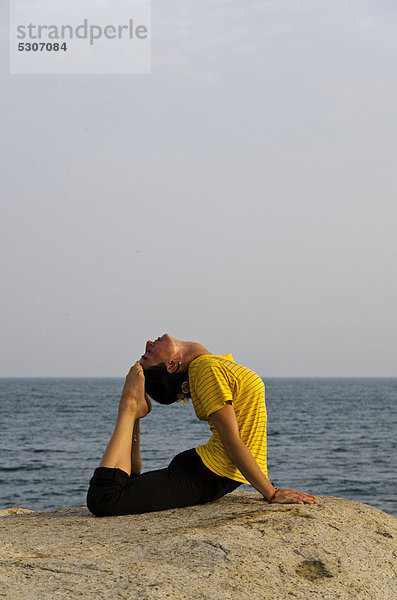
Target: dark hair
164	387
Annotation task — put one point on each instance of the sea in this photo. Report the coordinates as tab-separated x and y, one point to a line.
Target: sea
335	437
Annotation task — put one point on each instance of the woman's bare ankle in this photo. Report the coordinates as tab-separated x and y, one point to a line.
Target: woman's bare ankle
135	406
129	405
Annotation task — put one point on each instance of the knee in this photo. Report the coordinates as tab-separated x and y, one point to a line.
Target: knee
105	492
102	502
96	505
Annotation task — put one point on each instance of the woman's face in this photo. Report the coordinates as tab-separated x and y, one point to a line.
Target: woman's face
161	350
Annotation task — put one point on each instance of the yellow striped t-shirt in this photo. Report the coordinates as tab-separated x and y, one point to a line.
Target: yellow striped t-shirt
215	380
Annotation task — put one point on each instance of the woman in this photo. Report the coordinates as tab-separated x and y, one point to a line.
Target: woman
227	395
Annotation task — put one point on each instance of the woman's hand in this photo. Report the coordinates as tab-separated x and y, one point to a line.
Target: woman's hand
293	497
225	422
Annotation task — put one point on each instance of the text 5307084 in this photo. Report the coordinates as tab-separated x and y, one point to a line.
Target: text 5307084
41	47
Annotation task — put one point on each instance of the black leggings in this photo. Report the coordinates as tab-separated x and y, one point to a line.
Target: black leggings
186	481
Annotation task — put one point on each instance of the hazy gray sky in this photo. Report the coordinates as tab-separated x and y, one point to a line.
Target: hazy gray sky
242	195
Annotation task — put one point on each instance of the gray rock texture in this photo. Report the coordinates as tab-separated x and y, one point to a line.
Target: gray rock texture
238	547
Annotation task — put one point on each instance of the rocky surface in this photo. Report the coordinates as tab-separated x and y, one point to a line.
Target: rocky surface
238	547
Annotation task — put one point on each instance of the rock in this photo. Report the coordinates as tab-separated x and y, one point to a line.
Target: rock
236	548
14	511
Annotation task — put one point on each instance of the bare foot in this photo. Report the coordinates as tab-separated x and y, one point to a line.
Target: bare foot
133	397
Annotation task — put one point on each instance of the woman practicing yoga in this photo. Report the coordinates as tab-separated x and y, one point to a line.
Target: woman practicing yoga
230	397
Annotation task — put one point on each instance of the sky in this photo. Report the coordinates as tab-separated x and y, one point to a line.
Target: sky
242	195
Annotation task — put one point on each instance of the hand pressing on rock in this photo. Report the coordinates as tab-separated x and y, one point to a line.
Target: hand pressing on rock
292	497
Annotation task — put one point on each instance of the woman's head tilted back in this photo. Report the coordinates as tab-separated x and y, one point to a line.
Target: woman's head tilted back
162	386
162	368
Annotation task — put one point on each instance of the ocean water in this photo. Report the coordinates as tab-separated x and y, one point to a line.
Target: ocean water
326	436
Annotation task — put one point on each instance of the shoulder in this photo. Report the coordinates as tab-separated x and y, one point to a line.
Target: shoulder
209	363
210	384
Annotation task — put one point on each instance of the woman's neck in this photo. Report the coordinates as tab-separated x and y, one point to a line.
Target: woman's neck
190	351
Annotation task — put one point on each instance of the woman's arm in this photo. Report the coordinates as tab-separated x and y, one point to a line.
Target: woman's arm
225	422
136	460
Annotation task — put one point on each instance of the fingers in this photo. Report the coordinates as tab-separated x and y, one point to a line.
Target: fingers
148	402
304	499
294	497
